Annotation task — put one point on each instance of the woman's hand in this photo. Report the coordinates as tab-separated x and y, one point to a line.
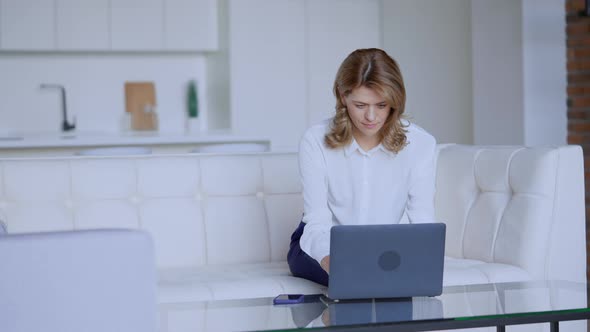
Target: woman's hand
325	263
326	314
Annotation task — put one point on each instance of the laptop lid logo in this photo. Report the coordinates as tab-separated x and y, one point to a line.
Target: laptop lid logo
389	260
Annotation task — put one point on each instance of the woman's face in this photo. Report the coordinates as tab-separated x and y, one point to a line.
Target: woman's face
368	111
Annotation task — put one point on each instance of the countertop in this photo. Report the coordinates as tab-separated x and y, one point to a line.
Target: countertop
88	139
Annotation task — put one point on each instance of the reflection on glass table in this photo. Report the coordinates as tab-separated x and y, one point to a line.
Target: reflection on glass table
495	305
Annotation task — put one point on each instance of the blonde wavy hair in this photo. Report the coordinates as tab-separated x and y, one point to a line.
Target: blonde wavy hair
373	69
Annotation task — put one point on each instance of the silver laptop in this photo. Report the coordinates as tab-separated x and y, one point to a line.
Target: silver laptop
386	261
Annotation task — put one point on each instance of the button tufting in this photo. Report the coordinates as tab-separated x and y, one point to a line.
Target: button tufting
69	203
198	197
135	199
260	195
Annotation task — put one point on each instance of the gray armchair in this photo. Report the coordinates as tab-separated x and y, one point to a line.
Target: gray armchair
95	281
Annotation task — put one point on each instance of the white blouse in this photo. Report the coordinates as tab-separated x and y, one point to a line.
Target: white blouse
350	186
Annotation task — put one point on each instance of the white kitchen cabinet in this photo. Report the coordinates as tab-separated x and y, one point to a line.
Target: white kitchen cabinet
83	25
190	25
267	69
137	25
105	25
27	25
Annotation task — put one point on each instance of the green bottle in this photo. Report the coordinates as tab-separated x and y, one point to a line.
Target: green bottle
193	104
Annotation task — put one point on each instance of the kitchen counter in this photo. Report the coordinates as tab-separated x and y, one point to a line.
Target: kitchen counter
68	143
49	140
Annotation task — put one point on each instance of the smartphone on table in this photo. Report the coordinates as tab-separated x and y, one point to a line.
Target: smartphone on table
288	299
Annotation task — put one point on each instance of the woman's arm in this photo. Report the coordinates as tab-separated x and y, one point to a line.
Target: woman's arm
315	240
420	207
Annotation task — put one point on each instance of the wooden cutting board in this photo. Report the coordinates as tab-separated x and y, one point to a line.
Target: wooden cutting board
138	95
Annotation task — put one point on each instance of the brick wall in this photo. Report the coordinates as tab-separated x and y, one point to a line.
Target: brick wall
578	93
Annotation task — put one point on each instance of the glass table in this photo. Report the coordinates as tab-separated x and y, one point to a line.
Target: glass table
496	305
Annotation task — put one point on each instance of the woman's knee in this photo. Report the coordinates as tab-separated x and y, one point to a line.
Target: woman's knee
303	266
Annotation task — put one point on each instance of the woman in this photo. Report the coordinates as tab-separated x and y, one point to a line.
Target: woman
367	165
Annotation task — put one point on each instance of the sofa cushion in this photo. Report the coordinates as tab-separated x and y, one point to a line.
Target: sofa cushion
233	281
470	272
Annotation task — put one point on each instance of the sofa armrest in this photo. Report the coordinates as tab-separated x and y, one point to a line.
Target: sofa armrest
566	252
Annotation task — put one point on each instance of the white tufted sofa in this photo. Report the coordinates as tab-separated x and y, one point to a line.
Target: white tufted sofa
222	222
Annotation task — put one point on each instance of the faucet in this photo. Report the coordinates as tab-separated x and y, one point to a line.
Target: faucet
65	126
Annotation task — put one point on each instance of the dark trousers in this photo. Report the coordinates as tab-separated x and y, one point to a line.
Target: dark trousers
301	264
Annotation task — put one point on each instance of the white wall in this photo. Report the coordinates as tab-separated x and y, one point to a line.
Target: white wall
284	57
267	68
519	72
335	28
498	102
545	73
218	74
431	41
95	89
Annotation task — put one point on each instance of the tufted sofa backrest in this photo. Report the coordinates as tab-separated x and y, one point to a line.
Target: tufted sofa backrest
508	205
513	205
199	209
